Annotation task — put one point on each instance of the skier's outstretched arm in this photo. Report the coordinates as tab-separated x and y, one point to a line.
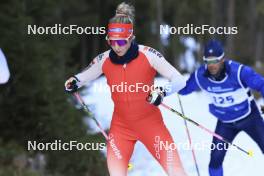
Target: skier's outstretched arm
252	79
191	86
90	73
165	69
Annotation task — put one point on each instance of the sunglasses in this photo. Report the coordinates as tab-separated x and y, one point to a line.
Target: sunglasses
215	61
121	42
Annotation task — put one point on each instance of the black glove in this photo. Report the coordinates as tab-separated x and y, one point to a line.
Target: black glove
71	84
156	96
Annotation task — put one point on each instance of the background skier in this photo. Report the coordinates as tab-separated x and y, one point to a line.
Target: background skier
228	84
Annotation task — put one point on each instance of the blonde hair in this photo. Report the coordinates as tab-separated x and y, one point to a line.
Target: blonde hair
125	13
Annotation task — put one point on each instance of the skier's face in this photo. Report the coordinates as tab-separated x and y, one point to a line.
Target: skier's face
215	68
120	47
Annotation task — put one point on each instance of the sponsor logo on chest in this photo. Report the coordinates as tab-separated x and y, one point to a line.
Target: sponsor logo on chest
219	89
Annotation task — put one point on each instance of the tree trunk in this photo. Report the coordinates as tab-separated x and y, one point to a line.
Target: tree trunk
84	59
96	42
230	23
259	45
217	9
252	29
159	19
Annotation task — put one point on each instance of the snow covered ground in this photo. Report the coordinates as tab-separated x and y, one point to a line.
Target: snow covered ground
195	107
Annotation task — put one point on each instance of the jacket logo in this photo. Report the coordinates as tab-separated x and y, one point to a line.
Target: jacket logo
155	52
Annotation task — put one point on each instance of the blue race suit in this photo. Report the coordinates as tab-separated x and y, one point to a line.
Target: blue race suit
232	104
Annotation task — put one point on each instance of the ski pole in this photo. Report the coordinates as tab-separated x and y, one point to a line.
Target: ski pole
86	109
189	138
249	153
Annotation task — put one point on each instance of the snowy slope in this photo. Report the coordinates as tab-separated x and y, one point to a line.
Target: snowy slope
195	107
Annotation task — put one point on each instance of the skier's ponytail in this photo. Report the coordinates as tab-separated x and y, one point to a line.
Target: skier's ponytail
125	13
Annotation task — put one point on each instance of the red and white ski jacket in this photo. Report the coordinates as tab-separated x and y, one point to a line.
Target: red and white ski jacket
138	77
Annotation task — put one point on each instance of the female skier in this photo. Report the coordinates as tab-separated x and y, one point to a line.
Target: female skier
134	118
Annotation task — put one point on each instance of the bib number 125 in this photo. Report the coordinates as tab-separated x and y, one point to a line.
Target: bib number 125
223	100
